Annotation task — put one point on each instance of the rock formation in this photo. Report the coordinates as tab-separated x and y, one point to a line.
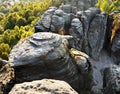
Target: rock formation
112	80
82	26
56	20
6	76
45	86
91	40
69	44
84	67
116	47
76	31
46	55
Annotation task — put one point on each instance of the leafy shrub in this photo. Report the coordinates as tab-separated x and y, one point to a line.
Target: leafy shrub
18	22
3	9
108	6
1	29
4	50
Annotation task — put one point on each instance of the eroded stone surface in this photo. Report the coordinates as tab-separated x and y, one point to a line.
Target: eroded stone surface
116	47
112	80
44	55
6	76
45	86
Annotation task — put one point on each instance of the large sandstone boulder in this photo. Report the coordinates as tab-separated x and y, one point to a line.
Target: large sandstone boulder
112	80
45	86
44	55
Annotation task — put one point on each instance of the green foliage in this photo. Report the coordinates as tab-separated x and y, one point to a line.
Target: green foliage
3	9
56	2
4	50
1	29
18	21
108	6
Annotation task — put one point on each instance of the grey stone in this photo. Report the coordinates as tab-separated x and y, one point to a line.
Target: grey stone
44	55
99	66
76	31
40	28
96	36
61	21
53	7
82	27
112	80
45	86
82	60
57	23
115	48
46	21
86	36
44	24
68	9
54	20
84	66
59	13
89	18
51	10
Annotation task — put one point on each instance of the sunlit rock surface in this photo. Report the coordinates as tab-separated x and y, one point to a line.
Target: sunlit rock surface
45	86
46	55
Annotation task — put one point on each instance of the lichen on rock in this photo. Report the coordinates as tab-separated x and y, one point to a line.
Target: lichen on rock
6	76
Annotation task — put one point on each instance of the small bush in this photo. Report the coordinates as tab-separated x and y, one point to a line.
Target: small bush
108	6
18	21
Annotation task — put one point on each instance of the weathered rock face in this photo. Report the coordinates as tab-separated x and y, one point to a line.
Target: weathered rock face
56	20
107	44
116	47
88	29
112	80
84	67
68	9
82	27
45	86
6	76
99	66
96	36
92	39
115	36
44	55
45	23
76	31
82	60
